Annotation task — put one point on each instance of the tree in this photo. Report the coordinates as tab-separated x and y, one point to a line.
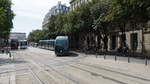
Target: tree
6	16
98	12
36	35
131	12
101	16
72	22
85	16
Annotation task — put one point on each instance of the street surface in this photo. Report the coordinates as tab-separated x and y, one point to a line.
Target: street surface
39	66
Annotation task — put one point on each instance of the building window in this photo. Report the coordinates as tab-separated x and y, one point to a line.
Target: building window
58	11
134	41
113	42
62	7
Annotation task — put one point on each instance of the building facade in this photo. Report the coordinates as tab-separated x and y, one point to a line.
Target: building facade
76	3
17	35
58	9
137	40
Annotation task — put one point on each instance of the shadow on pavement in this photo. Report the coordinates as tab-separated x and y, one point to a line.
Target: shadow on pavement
70	54
10	61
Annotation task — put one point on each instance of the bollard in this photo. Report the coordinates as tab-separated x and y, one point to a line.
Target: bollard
96	55
145	60
104	55
115	57
9	54
128	59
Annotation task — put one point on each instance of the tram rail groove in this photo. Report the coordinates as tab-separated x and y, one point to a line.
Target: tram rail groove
105	77
115	72
75	81
11	71
35	75
65	62
78	58
108	78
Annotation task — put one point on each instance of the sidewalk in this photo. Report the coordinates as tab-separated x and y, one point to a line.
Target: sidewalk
4	59
135	68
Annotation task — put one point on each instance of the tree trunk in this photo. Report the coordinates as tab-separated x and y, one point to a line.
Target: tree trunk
106	42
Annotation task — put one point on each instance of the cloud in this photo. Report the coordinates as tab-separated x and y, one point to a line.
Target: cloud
30	13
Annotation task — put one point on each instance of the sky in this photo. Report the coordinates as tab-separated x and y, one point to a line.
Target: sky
30	13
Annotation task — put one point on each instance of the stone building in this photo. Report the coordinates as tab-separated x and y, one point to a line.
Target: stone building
17	35
137	40
58	9
76	3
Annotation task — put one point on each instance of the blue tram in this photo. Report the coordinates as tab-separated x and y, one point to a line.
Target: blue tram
61	45
46	44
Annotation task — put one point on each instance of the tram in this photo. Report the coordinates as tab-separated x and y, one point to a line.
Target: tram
61	45
14	43
46	44
23	44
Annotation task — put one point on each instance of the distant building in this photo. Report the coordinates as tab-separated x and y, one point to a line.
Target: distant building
17	35
76	3
58	9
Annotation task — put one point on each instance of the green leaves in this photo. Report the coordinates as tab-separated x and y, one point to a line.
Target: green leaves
79	20
100	15
37	35
128	10
6	16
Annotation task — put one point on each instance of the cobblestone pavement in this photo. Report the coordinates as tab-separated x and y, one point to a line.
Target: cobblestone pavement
39	66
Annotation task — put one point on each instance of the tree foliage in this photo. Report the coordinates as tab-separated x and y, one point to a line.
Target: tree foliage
37	35
101	16
123	12
127	10
6	16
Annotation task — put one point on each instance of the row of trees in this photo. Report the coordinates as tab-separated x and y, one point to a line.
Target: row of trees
37	35
99	17
6	16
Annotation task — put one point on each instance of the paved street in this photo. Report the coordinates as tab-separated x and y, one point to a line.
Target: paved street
39	66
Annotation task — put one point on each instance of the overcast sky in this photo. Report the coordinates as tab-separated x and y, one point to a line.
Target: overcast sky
30	13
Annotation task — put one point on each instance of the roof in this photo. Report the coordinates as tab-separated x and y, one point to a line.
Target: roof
61	37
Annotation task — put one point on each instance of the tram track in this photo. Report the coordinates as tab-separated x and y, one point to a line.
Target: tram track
117	72
64	75
68	63
35	75
75	81
91	72
100	68
50	68
107	70
4	72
